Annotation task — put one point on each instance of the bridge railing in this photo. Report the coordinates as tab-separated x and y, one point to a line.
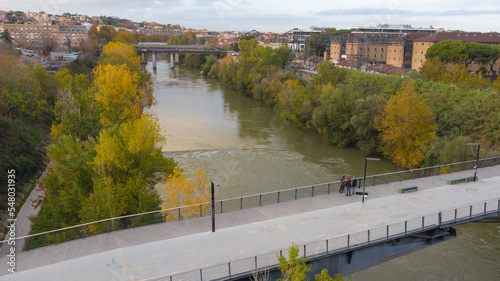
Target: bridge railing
232	204
338	244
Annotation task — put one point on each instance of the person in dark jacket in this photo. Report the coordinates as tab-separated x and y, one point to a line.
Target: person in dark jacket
348	186
354	184
342	185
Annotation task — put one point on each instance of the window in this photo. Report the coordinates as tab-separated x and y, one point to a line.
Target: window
375	49
415	52
422	43
375	56
382	56
422	52
382	49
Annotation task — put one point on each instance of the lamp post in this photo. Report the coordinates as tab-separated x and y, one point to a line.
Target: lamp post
212	187
364	178
477	158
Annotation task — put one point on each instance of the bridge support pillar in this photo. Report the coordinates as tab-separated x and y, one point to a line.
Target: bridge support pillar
172	61
154	60
176	58
143	59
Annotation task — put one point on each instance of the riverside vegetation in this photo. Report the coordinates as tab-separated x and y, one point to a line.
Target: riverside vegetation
415	120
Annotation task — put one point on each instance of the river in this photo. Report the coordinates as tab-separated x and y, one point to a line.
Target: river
247	148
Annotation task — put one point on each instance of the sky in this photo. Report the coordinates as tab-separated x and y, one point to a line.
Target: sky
281	15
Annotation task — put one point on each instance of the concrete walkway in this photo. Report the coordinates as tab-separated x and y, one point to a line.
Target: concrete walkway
148	252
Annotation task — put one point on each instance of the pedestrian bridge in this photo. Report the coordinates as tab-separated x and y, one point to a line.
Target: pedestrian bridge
336	232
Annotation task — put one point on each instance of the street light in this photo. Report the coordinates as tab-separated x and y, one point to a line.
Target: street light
364	178
477	158
212	186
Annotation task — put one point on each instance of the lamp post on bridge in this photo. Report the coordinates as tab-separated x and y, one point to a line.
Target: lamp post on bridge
212	192
477	158
364	177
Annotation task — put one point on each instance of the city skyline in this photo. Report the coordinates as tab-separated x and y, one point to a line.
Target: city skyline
279	15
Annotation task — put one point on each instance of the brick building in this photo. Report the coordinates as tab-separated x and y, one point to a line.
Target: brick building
39	34
390	48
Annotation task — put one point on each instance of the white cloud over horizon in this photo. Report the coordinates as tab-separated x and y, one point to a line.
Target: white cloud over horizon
281	15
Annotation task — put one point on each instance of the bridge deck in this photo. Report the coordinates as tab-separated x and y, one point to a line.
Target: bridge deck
148	252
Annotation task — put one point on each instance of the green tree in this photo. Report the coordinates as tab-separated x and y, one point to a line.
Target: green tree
434	69
6	37
448	51
407	127
295	268
363	123
128	164
77	111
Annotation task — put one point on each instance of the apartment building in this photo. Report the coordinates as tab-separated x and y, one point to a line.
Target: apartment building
38	34
420	45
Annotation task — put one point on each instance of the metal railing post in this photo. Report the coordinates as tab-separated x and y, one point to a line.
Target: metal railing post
295	194
260	199
440	218
312	192
201	210
348	240
456	213
406	227
133	222
387	231
326	246
485	209
107	223
241	203
374	179
328	188
221	206
278	196
368	236
201	274
470	212
179	210
388	178
423	222
305	253
229	269
81	229
156	218
55	241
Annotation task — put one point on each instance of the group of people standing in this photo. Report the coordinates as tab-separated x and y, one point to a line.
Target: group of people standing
348	185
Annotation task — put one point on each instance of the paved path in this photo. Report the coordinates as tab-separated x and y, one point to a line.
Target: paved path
151	251
23	224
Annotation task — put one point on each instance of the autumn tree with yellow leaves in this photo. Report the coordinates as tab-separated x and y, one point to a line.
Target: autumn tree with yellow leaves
182	191
407	128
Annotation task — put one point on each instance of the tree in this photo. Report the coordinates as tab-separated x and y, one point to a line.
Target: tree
124	36
433	69
6	37
407	127
282	56
77	112
120	94
363	122
177	39
128	163
448	51
117	53
295	268
181	191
